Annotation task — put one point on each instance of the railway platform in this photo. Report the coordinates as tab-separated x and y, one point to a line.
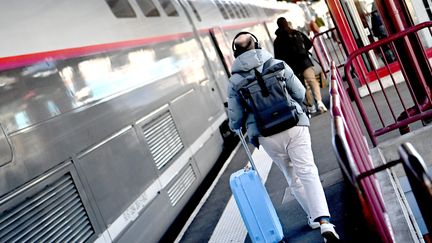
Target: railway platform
217	218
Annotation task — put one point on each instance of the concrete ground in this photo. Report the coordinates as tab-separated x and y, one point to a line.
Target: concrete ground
344	208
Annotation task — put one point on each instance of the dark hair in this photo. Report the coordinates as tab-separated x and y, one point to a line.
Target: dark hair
281	22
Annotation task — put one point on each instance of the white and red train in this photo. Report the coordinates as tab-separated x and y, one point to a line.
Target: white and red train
110	111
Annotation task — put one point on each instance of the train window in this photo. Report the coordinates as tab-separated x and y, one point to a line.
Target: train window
222	9
245	10
64	85
268	12
169	8
252	9
240	9
148	8
121	8
194	10
235	9
230	10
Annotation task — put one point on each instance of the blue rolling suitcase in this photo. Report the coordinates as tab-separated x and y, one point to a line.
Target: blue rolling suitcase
253	201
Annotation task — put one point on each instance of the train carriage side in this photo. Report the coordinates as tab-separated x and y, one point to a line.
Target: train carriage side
110	128
110	114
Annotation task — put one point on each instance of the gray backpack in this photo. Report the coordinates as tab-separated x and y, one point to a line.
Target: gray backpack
265	95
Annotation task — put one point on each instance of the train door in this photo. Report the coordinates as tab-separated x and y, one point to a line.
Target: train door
220	59
223	46
210	89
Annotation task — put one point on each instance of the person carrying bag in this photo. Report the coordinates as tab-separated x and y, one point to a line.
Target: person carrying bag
264	96
292	47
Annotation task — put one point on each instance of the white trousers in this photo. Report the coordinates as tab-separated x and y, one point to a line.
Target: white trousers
301	172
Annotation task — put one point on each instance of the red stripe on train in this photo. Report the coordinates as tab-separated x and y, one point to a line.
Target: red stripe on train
27	59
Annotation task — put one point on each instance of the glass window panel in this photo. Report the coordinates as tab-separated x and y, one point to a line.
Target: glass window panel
169	8
235	9
43	90
148	8
216	65
121	8
230	10
222	9
245	10
240	9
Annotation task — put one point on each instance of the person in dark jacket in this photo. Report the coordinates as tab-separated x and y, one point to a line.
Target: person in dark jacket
379	31
292	47
290	149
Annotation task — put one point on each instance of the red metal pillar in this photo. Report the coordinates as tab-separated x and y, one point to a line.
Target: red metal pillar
345	34
396	17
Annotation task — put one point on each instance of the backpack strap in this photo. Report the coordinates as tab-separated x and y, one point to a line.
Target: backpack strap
267	68
261	83
267	64
274	68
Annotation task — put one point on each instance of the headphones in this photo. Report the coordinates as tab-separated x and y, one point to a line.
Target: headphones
239	52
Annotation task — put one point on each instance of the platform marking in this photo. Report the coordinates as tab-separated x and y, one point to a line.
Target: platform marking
230	227
206	195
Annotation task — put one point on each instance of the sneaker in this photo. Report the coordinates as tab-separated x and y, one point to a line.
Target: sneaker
312	224
311	109
321	106
329	233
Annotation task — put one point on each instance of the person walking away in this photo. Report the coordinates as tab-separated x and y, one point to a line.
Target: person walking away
313	26
292	47
253	84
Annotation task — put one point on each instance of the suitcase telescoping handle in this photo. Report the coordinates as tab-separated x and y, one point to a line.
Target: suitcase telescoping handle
248	152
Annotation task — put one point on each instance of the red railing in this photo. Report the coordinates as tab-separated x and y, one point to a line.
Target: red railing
353	154
328	47
390	85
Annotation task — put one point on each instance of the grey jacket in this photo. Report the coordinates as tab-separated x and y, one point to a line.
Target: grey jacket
237	114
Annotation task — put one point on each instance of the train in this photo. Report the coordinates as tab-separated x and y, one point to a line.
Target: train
112	112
